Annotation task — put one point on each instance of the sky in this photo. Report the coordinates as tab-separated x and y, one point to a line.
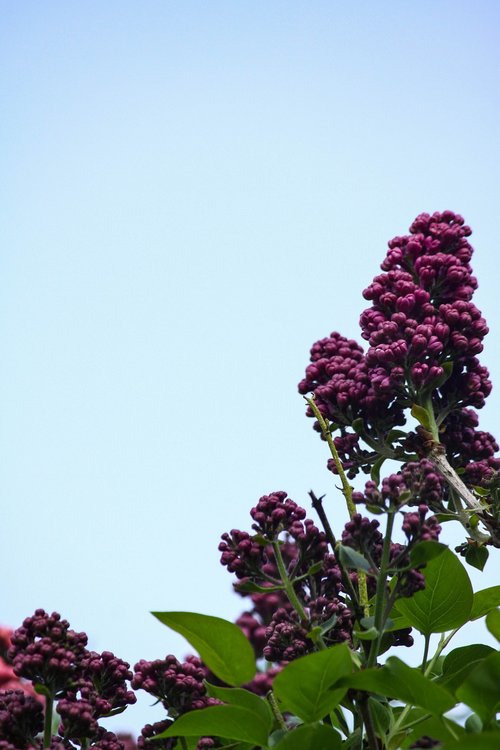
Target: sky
192	194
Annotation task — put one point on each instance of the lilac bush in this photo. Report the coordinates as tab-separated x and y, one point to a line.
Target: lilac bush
314	660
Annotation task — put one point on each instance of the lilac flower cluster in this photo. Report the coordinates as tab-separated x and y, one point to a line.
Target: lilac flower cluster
86	685
424	334
417	483
21	718
178	686
275	630
45	651
422	315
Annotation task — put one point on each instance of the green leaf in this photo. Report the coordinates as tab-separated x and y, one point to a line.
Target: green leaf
245	699
221	645
476	556
396	680
349	558
254	588
484	601
230	722
381	715
311	737
446	601
375	472
425	551
482	741
304	687
459	662
419	723
481	689
367	635
421	415
493	623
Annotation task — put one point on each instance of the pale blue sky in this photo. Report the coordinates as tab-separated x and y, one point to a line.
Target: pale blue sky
192	194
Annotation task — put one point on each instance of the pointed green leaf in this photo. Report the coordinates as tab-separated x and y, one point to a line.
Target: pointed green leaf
484	601
375	472
245	699
446	601
230	722
421	415
396	680
349	558
221	645
481	689
310	737
476	556
493	623
425	551
304	687
459	662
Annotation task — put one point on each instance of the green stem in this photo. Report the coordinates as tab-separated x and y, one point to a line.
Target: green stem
365	712
346	487
380	594
47	730
426	652
290	591
347	491
276	711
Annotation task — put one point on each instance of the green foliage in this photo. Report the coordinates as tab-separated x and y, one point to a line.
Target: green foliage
446	601
221	645
306	686
230	722
311	737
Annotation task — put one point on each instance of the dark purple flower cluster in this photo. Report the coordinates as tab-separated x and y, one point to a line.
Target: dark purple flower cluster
179	686
422	315
286	638
21	718
272	626
241	554
45	651
417	483
86	685
424	334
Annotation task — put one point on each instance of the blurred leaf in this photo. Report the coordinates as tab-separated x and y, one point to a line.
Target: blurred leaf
484	601
482	741
245	699
421	415
367	635
481	689
396	680
311	737
375	472
381	715
419	724
476	556
425	551
230	722
349	558
221	644
459	662
446	601
254	588
304	687
493	623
